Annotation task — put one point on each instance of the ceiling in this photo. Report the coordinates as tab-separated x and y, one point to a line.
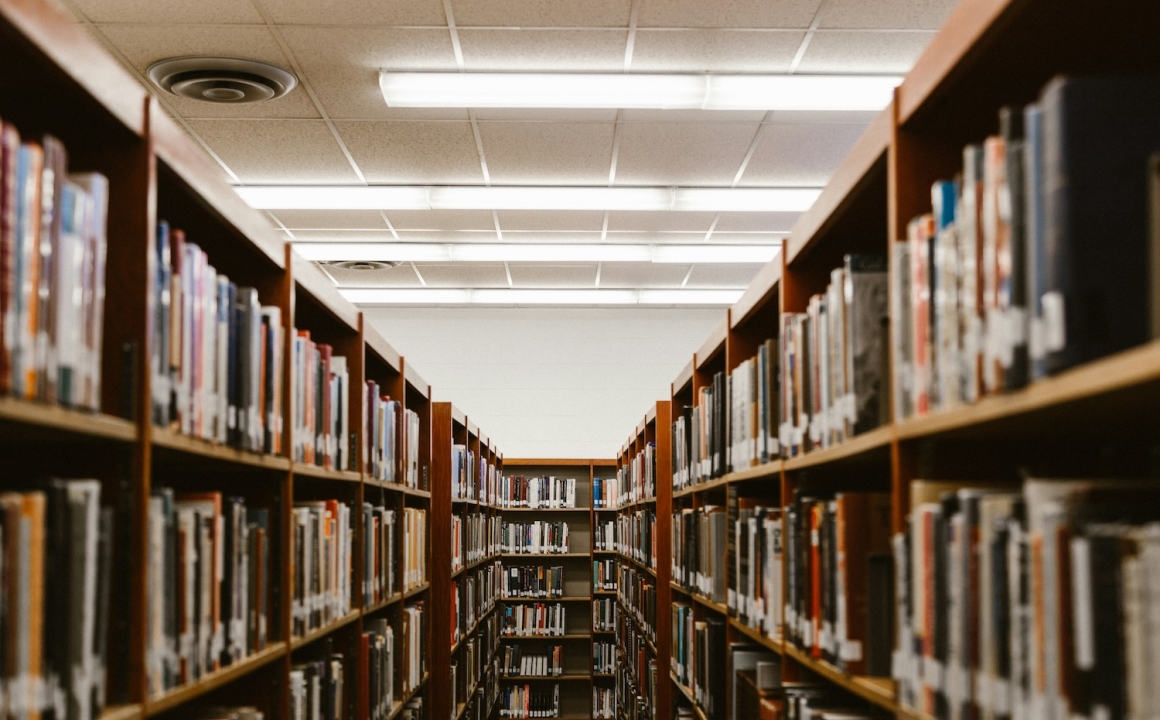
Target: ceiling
335	128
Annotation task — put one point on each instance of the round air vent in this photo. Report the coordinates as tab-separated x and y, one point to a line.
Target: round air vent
363	264
222	80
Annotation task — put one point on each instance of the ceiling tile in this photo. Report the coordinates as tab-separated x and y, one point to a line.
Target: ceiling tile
541	275
727	13
723	276
806	155
277	151
356	12
547	153
642	275
887	14
573	115
838	51
660	221
331	219
484	275
540	220
685	115
343	63
143	45
756	222
696	51
170	12
542	13
413	153
681	153
543	50
399	276
442	220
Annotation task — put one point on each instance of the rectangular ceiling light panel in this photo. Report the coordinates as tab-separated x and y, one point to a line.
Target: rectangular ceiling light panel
548	252
645	91
479	197
708	298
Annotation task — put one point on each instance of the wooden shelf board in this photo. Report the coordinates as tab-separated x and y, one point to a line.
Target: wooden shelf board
756	636
321	473
69	422
1126	372
415	380
170	440
330	627
638	563
177	696
688	693
876	439
701	487
417	590
382	604
474	565
603	675
879	691
683	378
701	600
398	707
757	472
121	712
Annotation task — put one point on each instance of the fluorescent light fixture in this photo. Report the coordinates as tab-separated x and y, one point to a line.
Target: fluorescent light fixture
701	254
548	252
553	297
690	297
479	197
335	197
665	92
391	296
744	199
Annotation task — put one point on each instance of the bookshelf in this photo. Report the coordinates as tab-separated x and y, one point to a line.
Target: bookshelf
109	124
578	680
1096	419
463	491
644	460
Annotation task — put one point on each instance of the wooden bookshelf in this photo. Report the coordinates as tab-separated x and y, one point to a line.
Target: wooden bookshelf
60	81
578	587
990	53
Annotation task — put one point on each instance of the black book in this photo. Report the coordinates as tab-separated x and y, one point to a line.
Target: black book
1098	135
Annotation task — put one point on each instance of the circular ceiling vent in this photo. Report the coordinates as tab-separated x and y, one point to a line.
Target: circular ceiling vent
363	264
222	80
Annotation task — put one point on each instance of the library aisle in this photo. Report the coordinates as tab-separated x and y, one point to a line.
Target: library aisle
911	474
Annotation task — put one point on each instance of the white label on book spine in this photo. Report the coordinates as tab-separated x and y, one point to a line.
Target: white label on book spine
1054	322
851	651
933	675
1082	609
1000	696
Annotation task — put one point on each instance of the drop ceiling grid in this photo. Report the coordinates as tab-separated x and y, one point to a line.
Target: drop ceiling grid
341	130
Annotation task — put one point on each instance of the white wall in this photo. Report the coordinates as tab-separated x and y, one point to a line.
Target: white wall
549	382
